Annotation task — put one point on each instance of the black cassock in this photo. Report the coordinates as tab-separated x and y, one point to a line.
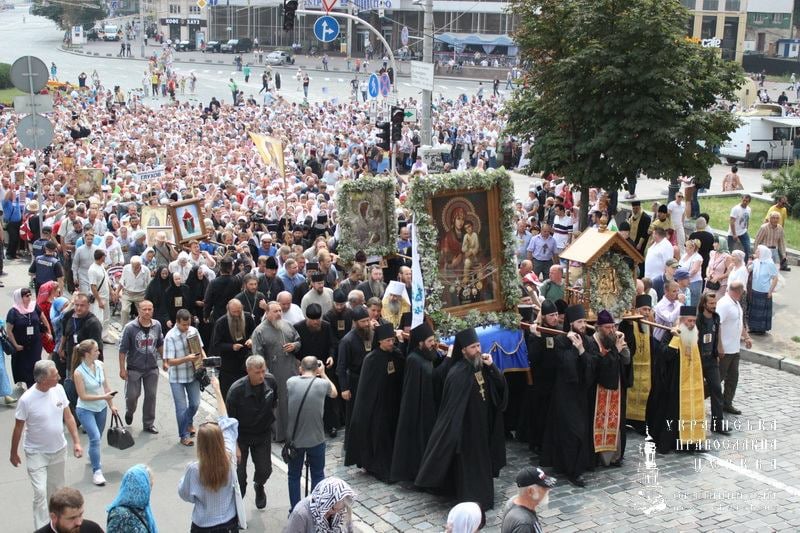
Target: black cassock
467	446
533	415
567	444
416	420
233	361
377	405
663	404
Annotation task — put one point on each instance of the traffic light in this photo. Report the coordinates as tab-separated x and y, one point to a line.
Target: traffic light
289	7
397	122
384	135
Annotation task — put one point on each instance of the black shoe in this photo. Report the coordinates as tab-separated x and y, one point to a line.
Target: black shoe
152	429
333	432
578	481
616	464
732	410
720	431
128	418
786	269
261	497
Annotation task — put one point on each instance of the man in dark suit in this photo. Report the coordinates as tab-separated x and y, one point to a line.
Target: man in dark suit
639	222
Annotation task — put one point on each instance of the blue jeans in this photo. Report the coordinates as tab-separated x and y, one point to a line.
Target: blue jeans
696	290
185	410
744	239
316	461
94	422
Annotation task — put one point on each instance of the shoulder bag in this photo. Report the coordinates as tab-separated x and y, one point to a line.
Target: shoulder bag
289	452
5	342
91	294
118	436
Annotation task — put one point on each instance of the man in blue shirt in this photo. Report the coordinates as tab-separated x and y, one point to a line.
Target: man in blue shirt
12	215
541	250
290	276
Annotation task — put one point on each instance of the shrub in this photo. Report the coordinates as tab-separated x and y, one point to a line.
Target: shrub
785	182
5	78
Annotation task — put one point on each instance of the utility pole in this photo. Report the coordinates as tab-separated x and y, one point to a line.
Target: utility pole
141	25
427	57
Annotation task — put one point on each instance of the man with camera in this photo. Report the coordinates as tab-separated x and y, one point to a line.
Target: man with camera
306	430
183	352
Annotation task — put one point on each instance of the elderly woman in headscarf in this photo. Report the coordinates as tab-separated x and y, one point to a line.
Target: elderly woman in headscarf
765	279
57	309
130	511
114	255
465	517
24	325
48	292
157	294
328	509
178	297
149	259
182	265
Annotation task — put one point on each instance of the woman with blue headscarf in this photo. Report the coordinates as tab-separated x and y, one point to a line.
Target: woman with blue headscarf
59	306
6	389
130	511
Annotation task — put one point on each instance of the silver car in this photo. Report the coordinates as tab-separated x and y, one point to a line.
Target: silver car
279	57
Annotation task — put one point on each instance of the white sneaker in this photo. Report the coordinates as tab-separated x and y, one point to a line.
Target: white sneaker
98	479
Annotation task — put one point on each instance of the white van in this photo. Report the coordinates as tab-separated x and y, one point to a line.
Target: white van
110	32
765	134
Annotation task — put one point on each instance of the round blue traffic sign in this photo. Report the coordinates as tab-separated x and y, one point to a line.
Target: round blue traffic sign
373	85
326	29
385	84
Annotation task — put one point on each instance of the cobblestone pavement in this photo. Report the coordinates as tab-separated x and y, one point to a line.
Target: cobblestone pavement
749	481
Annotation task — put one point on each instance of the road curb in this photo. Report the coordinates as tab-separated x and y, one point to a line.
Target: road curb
194	61
773	361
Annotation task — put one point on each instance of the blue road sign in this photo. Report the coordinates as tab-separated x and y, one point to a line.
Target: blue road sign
385	84
213	2
326	29
373	85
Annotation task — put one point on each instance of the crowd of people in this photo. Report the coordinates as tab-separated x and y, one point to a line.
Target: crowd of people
306	344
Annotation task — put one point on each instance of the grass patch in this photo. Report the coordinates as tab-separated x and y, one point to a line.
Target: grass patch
796	338
719	211
7	95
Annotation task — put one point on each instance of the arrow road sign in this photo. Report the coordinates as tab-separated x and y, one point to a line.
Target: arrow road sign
410	114
326	29
373	85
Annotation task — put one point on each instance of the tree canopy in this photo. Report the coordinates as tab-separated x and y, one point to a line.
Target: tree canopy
69	13
614	87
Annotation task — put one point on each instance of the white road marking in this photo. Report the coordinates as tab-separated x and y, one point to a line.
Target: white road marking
758	476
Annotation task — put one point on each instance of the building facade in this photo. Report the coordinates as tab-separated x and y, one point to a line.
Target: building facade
719	24
768	21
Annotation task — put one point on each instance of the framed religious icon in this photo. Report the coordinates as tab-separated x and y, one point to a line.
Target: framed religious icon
89	181
154	215
367	220
153	231
187	220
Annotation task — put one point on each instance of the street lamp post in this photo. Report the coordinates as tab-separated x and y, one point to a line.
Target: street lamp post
141	25
427	57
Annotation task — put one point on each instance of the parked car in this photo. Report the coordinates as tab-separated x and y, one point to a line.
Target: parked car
93	35
213	46
279	57
237	46
185	46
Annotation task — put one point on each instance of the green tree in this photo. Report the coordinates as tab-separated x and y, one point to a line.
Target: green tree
614	87
69	13
785	182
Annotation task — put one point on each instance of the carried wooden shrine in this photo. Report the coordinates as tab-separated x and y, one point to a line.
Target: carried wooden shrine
602	272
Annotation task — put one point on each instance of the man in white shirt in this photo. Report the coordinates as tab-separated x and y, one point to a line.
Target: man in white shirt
655	262
44	408
562	228
99	289
739	222
731	332
677	214
82	259
132	287
419	167
668	310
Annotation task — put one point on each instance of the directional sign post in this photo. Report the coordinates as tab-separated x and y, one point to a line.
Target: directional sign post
326	29
373	85
410	114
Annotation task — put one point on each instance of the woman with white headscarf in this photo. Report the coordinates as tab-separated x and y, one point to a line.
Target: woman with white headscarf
328	509
114	255
466	517
182	265
765	278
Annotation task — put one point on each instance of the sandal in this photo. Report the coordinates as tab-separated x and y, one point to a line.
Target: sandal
187	442
192	431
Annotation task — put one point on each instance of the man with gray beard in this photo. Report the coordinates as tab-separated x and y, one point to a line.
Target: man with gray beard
278	343
231	341
676	407
374	287
395	303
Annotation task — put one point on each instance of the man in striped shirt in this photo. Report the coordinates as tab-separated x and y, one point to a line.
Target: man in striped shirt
180	360
771	235
562	228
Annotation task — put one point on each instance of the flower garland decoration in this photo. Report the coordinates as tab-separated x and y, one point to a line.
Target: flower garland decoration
625	295
349	243
423	188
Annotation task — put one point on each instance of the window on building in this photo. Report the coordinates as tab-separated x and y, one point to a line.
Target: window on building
194	10
733	5
688	4
708	29
777	18
174	9
758	18
711	5
690	26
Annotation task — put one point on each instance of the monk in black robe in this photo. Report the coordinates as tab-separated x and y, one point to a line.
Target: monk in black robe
353	349
467	446
543	359
417	408
567	444
372	428
231	341
676	407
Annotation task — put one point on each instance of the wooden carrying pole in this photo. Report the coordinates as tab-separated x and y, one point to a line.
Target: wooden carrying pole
641	319
543	329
